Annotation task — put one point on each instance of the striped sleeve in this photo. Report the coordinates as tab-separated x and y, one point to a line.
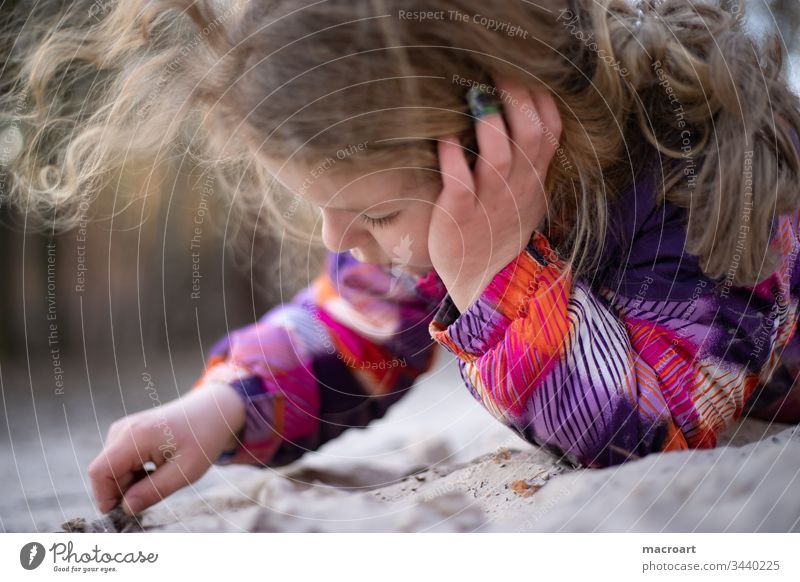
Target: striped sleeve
336	356
599	376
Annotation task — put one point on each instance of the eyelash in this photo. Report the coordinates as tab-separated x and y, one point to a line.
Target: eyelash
380	222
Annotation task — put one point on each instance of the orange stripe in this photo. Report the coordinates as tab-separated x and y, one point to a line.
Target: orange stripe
675	440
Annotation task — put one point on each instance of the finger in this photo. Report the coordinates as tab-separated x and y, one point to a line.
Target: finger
458	187
525	125
493	165
112	471
113	430
154	487
547	109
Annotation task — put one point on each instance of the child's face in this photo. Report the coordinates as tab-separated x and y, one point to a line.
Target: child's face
371	215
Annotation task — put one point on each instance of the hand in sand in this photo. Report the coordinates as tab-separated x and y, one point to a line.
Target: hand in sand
182	438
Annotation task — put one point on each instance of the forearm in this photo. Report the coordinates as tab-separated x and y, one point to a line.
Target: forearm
337	356
220	399
230	406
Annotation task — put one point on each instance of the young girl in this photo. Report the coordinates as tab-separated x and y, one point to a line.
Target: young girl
607	247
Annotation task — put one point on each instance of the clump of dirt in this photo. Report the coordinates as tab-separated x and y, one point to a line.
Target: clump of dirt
502	454
115	521
523	488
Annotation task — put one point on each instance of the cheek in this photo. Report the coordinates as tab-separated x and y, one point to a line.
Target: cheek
407	242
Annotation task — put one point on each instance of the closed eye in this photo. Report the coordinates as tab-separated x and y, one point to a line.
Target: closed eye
382	221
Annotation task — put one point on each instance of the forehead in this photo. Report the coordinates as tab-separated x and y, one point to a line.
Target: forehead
345	188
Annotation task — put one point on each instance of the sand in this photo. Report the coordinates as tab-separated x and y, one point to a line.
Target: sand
439	463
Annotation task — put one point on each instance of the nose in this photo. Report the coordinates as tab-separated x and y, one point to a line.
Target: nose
342	232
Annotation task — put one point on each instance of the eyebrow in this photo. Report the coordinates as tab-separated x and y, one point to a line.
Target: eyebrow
361	210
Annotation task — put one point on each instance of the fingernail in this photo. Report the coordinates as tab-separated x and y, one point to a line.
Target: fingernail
132	505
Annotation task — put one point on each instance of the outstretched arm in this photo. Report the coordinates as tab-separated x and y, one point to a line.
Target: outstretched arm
337	356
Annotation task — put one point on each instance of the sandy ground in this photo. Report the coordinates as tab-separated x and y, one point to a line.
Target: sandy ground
754	487
438	462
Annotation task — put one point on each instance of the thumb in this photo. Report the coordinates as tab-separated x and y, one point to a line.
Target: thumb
154	487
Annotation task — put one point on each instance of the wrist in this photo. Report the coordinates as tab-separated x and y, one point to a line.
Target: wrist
536	282
469	288
231	409
465	294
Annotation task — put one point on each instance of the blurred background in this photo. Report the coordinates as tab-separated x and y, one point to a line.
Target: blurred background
87	316
112	317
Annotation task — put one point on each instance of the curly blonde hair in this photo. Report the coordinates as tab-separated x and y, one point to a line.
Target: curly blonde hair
143	81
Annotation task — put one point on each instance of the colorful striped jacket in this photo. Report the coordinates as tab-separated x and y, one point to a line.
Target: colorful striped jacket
648	355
